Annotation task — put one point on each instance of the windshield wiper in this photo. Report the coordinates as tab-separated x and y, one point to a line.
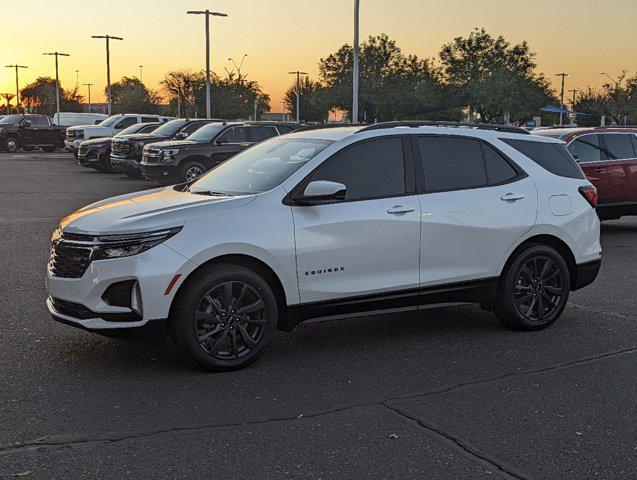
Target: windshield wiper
209	193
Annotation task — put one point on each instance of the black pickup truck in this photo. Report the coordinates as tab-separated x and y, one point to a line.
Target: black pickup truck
29	132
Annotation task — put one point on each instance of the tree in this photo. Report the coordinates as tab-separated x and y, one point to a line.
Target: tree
313	101
617	101
490	76
392	85
130	95
231	97
39	97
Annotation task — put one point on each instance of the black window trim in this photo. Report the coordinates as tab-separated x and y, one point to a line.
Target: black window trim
420	168
408	163
229	127
602	147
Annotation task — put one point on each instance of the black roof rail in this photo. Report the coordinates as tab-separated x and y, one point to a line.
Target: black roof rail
433	123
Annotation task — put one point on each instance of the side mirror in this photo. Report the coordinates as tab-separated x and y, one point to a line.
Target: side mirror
322	191
26	123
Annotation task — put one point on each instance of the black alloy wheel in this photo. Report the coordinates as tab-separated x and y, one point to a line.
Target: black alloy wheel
224	317
533	290
11	145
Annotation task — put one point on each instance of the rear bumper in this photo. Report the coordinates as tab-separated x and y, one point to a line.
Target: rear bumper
586	273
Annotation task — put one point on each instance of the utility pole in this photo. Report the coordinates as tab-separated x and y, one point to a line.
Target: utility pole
298	93
141	74
355	72
574	91
77	78
17	89
255	110
89	85
108	66
57	81
178	101
563	75
208	14
238	67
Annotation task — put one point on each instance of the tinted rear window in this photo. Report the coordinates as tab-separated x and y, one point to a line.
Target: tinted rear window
619	146
553	157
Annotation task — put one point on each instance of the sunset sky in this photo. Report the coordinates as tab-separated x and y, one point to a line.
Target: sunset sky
581	37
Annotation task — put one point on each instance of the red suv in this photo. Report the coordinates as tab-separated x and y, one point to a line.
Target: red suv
608	156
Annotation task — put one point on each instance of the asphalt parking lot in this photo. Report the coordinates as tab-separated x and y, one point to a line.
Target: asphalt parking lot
441	394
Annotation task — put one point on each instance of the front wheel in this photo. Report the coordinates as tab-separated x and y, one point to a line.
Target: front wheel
11	145
192	170
224	318
534	289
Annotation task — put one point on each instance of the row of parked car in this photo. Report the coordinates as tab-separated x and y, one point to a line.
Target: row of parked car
173	151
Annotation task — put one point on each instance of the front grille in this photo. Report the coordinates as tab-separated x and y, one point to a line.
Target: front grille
121	148
68	259
82	151
72	309
73	135
152	156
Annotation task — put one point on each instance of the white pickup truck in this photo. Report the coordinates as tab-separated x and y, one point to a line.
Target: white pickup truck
107	128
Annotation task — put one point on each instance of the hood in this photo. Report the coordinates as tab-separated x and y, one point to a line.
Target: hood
139	136
175	143
146	211
95	142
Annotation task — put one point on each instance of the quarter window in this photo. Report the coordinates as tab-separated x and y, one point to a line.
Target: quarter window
452	163
498	168
619	146
553	157
586	149
371	169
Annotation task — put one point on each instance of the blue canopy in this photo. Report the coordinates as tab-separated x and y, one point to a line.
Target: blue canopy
552	109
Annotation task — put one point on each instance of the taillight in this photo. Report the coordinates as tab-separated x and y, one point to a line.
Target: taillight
590	194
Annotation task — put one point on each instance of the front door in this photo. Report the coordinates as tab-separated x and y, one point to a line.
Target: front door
361	253
475	205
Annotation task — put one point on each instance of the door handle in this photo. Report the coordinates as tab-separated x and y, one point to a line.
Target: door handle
511	197
400	210
600	170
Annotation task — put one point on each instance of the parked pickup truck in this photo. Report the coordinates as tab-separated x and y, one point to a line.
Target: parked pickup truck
29	132
107	128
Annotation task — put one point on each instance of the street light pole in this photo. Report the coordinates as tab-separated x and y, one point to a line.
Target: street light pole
141	74
208	14
89	85
238	67
17	89
108	66
355	66
57	81
563	75
298	93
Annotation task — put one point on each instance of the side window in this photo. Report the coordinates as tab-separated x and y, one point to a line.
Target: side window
619	146
586	149
498	168
258	133
147	128
126	122
150	120
192	127
39	121
233	135
553	157
371	169
634	139
452	163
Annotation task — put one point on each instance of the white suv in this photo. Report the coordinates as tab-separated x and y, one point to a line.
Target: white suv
334	222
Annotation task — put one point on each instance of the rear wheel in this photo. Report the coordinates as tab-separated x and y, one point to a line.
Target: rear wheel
192	170
534	289
224	318
11	145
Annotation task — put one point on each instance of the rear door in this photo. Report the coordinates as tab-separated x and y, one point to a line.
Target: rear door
230	142
621	161
590	153
475	204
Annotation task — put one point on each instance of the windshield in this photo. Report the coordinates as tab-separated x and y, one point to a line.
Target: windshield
206	133
168	129
110	121
11	119
260	168
132	129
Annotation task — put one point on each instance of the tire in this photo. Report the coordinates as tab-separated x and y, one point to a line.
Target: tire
50	148
192	170
132	172
536	280
11	145
203	328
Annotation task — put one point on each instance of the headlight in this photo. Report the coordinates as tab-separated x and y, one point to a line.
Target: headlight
118	246
169	154
79	133
1	129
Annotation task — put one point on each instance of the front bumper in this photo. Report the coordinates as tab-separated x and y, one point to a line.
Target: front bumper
128	162
72	146
80	300
89	158
162	173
